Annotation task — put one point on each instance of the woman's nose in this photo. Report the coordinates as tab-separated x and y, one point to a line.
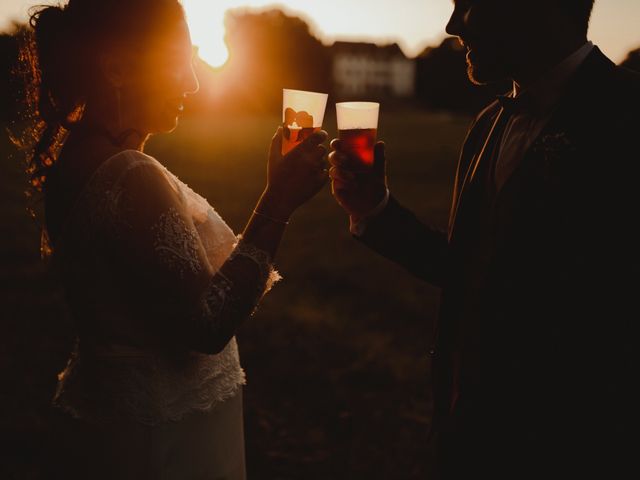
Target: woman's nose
191	82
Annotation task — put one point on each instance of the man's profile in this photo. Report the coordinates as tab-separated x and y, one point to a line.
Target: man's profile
532	363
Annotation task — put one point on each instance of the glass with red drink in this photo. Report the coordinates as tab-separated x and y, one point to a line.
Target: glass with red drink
357	129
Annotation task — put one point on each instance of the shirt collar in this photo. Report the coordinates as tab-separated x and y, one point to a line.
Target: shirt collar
544	93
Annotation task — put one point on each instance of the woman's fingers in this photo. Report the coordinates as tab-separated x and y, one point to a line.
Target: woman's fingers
313	140
316	157
322	178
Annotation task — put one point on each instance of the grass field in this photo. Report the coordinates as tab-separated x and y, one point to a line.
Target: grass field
336	357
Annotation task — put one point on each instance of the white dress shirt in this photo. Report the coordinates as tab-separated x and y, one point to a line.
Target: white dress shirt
522	128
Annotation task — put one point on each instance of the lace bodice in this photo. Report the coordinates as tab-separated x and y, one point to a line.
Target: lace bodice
141	257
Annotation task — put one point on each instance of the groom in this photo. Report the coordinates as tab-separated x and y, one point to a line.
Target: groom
532	363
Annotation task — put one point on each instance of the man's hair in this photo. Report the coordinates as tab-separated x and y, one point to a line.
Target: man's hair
579	10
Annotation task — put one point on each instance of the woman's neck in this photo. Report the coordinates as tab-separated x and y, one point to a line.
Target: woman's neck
118	132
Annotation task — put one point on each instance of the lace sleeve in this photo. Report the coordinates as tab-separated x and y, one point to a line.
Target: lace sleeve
160	251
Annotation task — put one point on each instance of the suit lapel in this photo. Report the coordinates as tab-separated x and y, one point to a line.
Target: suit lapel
472	169
583	84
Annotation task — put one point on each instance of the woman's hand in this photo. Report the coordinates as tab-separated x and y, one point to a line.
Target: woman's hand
296	177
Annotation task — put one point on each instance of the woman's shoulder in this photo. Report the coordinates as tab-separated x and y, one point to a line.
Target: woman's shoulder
139	174
130	167
126	160
81	169
122	171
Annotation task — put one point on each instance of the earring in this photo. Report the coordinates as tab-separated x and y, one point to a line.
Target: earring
119	107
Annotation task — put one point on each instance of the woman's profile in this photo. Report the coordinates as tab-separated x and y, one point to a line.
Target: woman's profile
156	282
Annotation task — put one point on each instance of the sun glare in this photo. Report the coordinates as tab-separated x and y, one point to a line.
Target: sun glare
206	22
214	52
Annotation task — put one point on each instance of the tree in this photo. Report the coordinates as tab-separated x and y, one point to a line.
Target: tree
270	50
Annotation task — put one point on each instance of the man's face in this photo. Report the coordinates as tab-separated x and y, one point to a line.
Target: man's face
494	32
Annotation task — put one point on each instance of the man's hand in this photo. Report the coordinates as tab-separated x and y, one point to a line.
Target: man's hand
357	188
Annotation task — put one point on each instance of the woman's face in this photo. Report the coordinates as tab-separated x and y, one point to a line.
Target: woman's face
153	97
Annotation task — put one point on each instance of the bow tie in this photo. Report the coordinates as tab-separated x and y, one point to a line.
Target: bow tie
516	105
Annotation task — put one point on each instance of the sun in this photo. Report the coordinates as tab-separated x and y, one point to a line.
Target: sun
215	53
206	23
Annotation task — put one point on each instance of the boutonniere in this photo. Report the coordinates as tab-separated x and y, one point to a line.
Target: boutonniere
554	145
555	149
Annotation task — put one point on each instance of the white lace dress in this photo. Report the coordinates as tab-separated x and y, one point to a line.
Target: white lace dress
155	371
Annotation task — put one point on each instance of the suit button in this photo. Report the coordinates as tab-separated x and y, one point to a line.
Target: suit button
432	352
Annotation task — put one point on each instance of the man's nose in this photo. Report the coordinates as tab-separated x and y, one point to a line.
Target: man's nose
455	25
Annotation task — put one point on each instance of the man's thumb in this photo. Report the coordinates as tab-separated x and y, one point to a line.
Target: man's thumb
379	160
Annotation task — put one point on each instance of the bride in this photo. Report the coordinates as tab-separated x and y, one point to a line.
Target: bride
156	282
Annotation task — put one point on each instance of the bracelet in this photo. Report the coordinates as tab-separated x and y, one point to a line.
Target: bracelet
277	220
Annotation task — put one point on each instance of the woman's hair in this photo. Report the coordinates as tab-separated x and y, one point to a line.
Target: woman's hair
60	63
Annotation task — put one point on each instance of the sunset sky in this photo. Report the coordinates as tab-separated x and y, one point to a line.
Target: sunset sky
414	24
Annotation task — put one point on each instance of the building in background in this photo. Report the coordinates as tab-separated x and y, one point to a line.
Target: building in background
367	70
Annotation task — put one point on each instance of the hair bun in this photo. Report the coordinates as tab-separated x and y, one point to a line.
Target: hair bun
52	42
48	19
51	29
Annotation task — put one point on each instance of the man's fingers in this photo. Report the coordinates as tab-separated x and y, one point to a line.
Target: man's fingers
340	187
338	159
341	175
341	160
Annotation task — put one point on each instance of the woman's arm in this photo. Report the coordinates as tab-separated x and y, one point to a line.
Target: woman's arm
194	305
292	180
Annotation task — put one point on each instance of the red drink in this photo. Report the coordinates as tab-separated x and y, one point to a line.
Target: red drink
359	143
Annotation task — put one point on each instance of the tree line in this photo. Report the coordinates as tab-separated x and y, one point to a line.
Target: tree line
270	50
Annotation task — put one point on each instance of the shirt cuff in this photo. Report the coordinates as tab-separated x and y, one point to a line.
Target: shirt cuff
357	227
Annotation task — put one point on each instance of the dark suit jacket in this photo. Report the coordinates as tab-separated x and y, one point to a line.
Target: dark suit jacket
538	287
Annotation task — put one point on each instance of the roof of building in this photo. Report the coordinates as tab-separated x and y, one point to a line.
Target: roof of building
390	50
